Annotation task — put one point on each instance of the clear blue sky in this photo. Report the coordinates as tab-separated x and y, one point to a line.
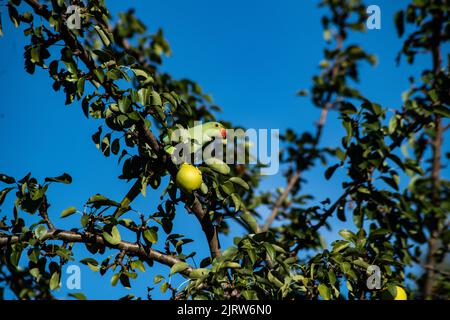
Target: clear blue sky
252	56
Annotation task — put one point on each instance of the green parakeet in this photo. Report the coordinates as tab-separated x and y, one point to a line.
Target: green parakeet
198	136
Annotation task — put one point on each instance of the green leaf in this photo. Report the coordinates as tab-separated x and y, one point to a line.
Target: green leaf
441	110
14	15
341	212
68	212
91	263
204	188
114	74
157	279
115	279
240	182
54	280
329	172
113	238
143	76
170	99
78	296
327	35
99	74
96	137
151	235
349	128
340	154
80	86
340	245
227	187
347	234
64	178
270	251
250	295
125	279
15	256
332	277
274	280
361	263
399	23
98	201
155	99
35	272
250	220
229	253
143	96
218	165
377	109
391	291
40	232
178	267
199	273
390	181
84	220
137	264
1	28
378	233
104	35
167	225
3	194
164	287
364	190
236	201
37	194
7	179
34	255
324	291
106	144
124	104
346	267
231	265
392	125
433	95
115	146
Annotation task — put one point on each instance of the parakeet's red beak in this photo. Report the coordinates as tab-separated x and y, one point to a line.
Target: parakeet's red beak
223	132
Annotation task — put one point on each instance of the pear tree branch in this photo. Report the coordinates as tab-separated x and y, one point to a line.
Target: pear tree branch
71	41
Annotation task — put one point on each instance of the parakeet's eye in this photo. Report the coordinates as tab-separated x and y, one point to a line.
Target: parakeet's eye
217	125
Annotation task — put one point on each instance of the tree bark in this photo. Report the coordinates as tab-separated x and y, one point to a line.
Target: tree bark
132	249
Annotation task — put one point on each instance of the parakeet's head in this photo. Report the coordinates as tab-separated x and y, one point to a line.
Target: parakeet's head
215	130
